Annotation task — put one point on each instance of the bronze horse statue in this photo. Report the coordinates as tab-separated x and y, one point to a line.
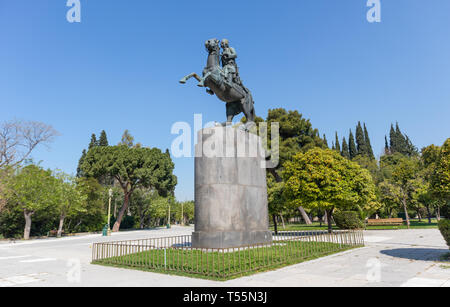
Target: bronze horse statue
237	97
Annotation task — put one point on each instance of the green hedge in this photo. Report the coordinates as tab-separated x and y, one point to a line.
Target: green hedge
348	220
444	227
445	211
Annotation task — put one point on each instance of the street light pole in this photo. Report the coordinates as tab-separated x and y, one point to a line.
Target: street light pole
109	212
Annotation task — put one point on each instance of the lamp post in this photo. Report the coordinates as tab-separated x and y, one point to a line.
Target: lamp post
109	212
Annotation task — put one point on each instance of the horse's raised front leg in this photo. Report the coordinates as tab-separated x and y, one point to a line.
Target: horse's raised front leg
201	82
184	80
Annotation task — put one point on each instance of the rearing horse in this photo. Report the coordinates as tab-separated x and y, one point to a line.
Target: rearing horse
237	97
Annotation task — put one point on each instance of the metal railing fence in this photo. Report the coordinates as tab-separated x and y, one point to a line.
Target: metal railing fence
176	254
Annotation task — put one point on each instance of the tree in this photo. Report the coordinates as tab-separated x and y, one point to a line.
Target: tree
352	146
93	215
325	141
275	199
440	179
345	151
80	162
296	135
133	168
94	142
325	180
69	199
369	150
33	190
387	150
103	141
18	139
336	144
390	197
127	139
404	174
360	141
184	211
400	143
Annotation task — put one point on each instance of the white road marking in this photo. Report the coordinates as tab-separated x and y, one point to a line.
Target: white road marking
20	279
5	283
423	282
14	257
374	239
38	260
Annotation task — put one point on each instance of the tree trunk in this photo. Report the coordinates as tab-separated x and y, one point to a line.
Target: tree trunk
438	213
406	212
428	213
122	211
26	233
282	221
275	225
304	215
329	220
61	224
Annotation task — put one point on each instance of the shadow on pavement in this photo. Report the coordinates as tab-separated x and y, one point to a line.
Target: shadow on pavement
424	254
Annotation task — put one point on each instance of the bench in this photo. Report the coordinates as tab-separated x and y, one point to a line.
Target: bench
384	222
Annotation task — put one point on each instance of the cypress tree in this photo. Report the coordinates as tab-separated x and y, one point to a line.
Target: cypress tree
400	140
360	141
93	142
338	146
325	141
392	140
369	149
387	151
80	162
352	146
103	141
345	153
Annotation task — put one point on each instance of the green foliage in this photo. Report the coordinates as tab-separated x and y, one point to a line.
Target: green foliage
296	133
12	222
32	189
324	179
444	227
337	146
80	162
183	212
132	167
369	150
352	146
445	211
93	215
440	179
345	151
348	220
360	141
93	142
400	143
128	222
103	141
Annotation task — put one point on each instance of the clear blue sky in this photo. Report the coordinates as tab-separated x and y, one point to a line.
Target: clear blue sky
119	68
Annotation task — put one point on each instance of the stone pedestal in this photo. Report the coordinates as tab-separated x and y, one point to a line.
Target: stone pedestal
230	190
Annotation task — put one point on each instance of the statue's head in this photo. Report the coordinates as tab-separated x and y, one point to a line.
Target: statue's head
212	44
225	43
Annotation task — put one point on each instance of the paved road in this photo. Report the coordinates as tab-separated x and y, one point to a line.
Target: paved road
390	258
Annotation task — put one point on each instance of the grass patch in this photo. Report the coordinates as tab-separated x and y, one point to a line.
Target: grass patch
221	266
316	226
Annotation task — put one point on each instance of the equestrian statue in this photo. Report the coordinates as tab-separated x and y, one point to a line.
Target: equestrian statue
224	81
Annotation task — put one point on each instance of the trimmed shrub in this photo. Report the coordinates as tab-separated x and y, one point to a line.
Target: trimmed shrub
348	220
444	227
445	211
